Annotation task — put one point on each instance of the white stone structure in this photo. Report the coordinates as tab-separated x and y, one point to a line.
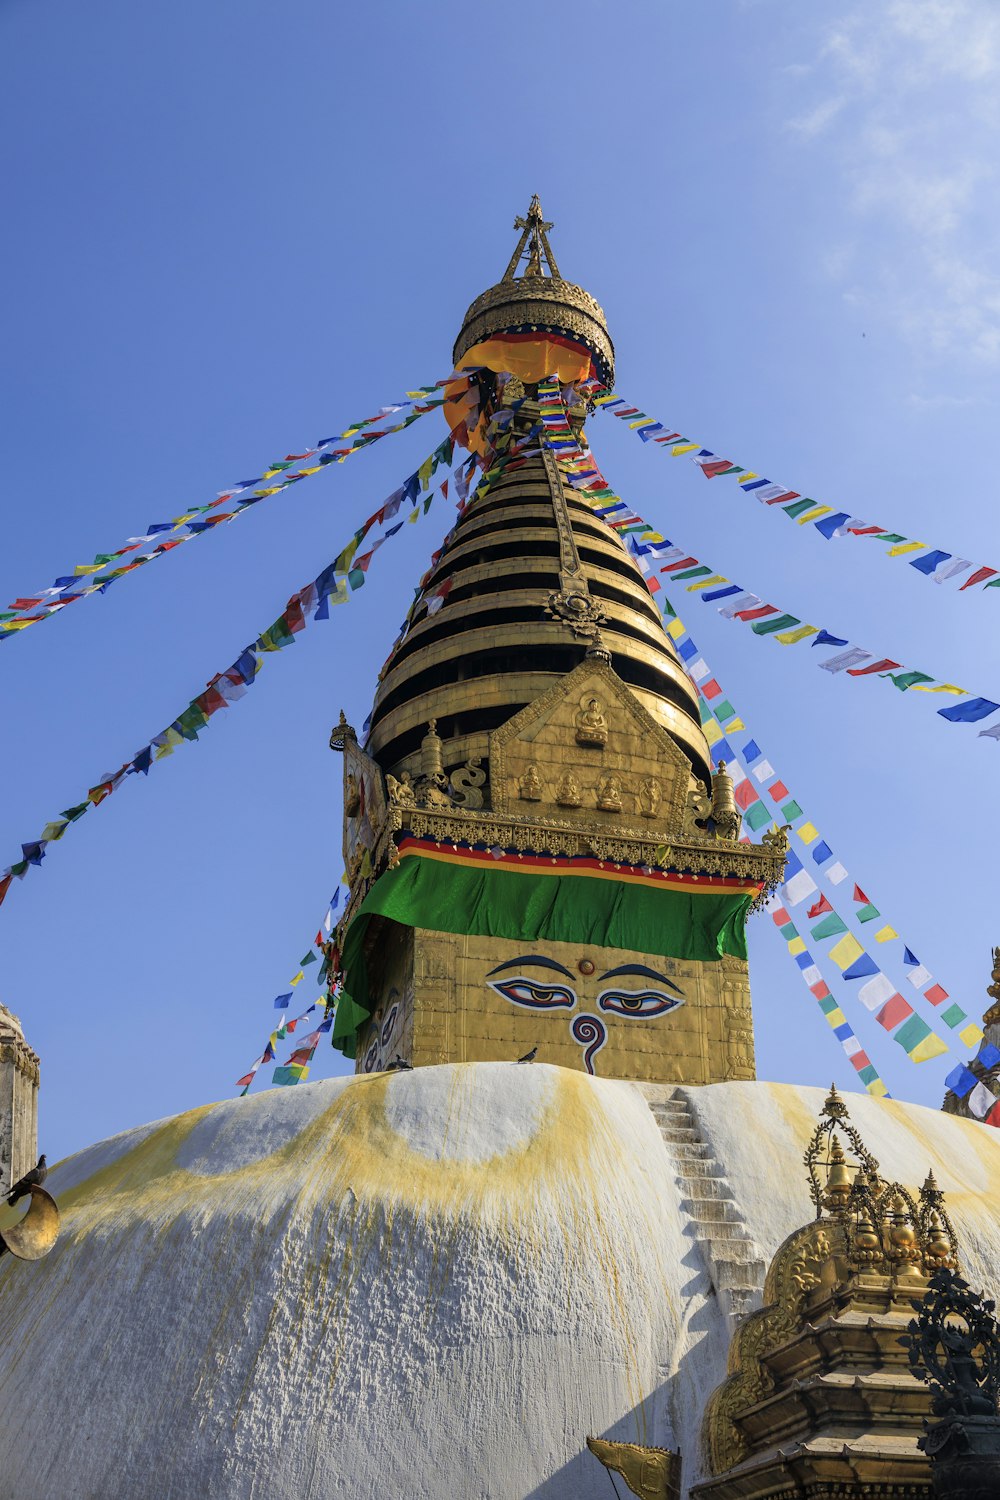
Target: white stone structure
18	1102
423	1285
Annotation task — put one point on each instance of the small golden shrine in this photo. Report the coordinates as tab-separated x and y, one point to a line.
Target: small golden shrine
820	1399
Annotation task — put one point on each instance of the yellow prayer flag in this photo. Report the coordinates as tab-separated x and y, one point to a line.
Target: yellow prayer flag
641	422
942	687
311	471
53	831
179	520
683	448
735	724
713	733
706	583
885	933
796	945
808	833
904	547
971	1035
82	569
877	1088
745	478
21	624
675	629
931	1046
299	975
836	1017
814	514
846	951
790	637
654	537
413	516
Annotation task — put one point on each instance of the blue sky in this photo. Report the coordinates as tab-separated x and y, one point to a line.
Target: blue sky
233	228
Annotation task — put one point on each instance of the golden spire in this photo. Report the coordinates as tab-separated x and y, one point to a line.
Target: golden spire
534	236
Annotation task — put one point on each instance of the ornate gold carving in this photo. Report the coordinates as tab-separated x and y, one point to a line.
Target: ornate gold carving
401	793
649	797
724	810
739	1045
581	613
467	783
568	791
993	990
591	725
352	795
529	786
651	1473
697	811
609	793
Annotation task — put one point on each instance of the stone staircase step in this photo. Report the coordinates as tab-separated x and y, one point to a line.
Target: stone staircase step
711	1211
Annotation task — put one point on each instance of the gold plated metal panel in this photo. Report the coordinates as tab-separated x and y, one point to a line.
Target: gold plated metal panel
34	1236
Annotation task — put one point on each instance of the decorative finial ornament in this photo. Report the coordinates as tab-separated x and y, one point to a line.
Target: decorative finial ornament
534	238
341	732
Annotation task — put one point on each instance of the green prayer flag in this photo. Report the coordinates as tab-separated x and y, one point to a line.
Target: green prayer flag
868	913
799	507
829	926
756	816
953	1016
311	958
72	813
790	811
904	680
774	622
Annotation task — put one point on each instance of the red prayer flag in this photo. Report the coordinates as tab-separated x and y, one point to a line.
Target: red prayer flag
778	790
744	795
783	499
756	614
885	665
684	562
861	1060
714	467
993	1118
821	906
860	896
935	994
5	886
820	989
978	577
894	1010
710	689
246	1080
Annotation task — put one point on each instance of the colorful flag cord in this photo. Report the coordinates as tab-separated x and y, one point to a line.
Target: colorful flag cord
502	455
748	765
334	585
932	562
106	569
742	605
878	993
297	1068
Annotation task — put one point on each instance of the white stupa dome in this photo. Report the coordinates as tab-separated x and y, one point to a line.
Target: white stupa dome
427	1284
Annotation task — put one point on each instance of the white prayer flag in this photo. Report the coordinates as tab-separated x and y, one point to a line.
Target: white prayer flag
919	976
876	991
799	887
836	872
981	1100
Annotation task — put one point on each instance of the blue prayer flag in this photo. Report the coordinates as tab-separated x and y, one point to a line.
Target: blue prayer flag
822	852
829	524
826	639
910	957
961	1080
929	561
970	712
862	968
751	750
989	1056
281	1001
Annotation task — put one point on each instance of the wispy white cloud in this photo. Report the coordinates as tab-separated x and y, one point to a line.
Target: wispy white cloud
905	99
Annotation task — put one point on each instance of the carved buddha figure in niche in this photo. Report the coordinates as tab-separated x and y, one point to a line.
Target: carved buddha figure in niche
591	725
568	791
609	793
529	786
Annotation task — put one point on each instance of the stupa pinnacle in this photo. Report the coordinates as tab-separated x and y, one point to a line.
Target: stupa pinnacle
539	852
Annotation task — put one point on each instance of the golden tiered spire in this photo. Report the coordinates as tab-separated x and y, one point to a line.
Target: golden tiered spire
535	238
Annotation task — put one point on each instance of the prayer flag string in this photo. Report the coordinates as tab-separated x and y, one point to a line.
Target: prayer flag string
334	585
720	719
741	604
163	536
825	520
